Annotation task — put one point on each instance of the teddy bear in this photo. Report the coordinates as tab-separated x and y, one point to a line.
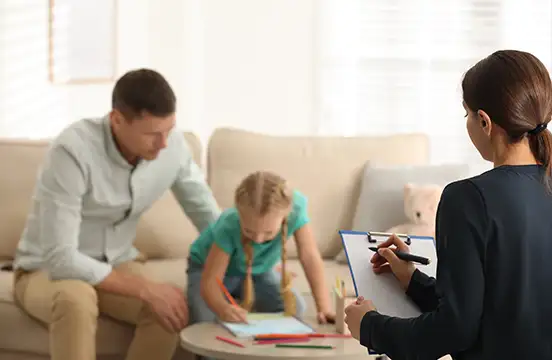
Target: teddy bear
420	207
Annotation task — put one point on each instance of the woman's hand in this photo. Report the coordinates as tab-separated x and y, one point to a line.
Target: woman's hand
354	314
385	260
233	313
325	317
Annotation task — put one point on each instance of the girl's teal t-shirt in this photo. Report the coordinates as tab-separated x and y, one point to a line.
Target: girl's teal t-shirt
226	233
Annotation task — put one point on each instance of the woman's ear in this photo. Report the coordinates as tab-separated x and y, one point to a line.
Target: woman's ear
485	122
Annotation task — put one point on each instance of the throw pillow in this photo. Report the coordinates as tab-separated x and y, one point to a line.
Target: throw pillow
381	206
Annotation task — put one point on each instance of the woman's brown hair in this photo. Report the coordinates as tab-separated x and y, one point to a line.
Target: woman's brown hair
264	192
514	89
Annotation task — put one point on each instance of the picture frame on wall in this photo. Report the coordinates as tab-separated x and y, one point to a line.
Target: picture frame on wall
82	41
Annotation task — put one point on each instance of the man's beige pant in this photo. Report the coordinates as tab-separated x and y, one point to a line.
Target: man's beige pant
71	308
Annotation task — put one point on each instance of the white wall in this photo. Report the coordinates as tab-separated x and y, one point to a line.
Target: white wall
259	60
240	63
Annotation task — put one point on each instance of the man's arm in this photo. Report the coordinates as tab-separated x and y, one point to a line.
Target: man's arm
61	186
192	192
453	325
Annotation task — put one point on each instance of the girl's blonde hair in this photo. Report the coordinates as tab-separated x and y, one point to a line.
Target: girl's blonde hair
264	192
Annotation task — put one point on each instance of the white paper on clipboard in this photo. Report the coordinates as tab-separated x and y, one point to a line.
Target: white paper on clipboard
384	290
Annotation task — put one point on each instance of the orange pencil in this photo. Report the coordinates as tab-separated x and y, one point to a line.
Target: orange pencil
225	291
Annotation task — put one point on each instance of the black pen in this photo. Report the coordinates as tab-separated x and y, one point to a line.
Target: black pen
407	257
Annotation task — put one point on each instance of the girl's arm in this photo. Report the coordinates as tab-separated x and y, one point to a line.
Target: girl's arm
312	263
215	267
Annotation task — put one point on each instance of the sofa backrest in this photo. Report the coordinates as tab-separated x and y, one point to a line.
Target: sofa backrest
326	169
161	228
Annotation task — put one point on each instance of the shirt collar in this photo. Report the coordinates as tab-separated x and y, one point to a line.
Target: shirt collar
111	147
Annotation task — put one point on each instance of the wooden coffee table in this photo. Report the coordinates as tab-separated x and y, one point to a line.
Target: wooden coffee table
201	339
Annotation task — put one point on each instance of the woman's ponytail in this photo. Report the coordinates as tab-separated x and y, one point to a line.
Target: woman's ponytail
540	141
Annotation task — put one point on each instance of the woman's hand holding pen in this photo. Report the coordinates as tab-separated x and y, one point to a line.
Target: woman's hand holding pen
385	260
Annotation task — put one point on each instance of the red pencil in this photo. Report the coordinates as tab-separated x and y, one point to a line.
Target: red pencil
230	341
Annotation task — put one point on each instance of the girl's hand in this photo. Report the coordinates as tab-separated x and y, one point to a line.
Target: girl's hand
326	317
233	313
278	268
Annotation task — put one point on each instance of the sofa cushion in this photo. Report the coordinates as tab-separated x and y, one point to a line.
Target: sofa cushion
326	169
164	231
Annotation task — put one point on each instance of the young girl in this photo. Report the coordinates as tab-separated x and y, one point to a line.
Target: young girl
243	246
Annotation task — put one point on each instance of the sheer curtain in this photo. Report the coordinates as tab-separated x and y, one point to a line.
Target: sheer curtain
395	66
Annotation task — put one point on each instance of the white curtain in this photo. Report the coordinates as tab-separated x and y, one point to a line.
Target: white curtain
395	66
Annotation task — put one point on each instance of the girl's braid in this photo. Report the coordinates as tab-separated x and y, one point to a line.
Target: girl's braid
264	192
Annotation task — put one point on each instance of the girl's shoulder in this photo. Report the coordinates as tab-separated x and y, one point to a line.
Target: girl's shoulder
299	200
298	213
228	221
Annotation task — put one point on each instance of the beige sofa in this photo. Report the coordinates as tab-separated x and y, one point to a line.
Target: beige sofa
326	169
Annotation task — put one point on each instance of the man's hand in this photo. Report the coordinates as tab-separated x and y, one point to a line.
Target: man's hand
168	303
385	260
354	314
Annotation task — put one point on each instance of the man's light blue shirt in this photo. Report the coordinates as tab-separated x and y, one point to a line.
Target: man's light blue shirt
88	200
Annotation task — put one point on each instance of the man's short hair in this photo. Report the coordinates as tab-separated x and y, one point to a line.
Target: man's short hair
143	91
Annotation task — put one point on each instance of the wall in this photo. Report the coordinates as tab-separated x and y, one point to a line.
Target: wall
259	58
241	63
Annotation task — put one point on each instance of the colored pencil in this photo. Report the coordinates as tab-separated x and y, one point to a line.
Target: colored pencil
262	337
339	336
230	341
281	336
281	341
297	346
225	291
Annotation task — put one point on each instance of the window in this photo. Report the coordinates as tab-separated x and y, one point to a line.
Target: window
395	66
29	106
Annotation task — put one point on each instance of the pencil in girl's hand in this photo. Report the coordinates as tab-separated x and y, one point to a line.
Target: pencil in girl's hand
226	293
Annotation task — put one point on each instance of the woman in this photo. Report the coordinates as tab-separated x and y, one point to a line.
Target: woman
492	297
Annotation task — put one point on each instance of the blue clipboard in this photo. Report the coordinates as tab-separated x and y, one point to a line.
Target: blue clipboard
372	238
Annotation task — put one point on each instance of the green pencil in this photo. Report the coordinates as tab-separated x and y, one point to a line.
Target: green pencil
297	346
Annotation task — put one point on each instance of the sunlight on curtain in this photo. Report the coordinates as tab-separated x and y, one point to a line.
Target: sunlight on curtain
30	106
395	66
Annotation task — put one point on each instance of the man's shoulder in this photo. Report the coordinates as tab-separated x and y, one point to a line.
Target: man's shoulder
82	137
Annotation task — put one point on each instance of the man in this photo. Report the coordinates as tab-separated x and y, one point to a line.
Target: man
76	257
